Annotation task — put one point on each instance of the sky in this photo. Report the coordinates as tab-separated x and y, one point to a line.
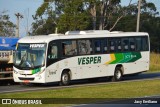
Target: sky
25	7
28	8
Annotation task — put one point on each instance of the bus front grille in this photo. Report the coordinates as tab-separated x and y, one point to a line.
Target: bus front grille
31	79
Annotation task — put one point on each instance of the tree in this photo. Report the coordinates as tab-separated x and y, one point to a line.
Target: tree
128	23
149	22
77	14
45	19
63	14
152	26
102	11
74	16
7	28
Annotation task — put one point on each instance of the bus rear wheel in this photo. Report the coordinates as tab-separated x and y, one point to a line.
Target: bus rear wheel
117	74
65	79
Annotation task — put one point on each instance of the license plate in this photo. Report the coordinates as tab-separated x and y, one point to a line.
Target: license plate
26	81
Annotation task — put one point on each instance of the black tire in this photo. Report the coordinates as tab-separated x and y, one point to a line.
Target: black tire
65	79
117	74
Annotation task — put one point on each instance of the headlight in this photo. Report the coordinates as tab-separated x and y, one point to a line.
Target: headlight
16	72
42	70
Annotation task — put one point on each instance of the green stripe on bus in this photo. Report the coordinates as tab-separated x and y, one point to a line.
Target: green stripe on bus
118	57
135	56
126	57
36	70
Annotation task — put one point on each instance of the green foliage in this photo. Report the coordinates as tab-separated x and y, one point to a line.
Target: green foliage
96	14
7	28
43	27
149	22
45	19
74	17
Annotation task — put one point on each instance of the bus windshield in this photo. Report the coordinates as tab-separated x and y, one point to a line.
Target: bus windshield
30	55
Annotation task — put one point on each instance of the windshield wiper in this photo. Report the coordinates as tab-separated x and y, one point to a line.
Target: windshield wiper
32	61
23	59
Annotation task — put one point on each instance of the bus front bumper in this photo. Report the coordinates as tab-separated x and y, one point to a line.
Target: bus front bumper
28	78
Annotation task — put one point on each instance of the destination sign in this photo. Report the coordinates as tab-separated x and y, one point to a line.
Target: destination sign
37	45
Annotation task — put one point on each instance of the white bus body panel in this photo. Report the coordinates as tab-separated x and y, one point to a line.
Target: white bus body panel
54	71
94	70
81	71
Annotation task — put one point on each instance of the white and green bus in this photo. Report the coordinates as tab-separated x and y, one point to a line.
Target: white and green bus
80	55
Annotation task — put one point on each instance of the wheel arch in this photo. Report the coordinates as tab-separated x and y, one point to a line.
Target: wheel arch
68	71
121	67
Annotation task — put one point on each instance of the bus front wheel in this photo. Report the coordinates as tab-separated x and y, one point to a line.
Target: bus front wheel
65	78
117	74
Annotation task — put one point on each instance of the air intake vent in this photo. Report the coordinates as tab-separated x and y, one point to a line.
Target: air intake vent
87	32
31	79
56	34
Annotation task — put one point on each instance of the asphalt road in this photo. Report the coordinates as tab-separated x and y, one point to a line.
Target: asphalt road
22	88
119	105
147	101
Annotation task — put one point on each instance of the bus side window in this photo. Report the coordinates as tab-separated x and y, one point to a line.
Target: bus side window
112	45
138	44
119	45
98	44
145	46
52	52
85	47
125	44
105	46
132	44
69	47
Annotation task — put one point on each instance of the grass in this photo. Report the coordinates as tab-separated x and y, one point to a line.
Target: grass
154	62
114	90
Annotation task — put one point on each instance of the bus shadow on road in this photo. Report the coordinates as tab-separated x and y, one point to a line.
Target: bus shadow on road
142	76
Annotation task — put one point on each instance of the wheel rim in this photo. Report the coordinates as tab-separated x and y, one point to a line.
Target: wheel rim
65	78
118	74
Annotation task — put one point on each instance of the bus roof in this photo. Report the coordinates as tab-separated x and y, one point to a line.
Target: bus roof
93	32
78	35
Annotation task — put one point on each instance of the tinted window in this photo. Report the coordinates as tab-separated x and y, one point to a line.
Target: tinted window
119	45
132	44
138	44
69	47
105	45
85	47
98	46
52	54
145	46
125	44
112	45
